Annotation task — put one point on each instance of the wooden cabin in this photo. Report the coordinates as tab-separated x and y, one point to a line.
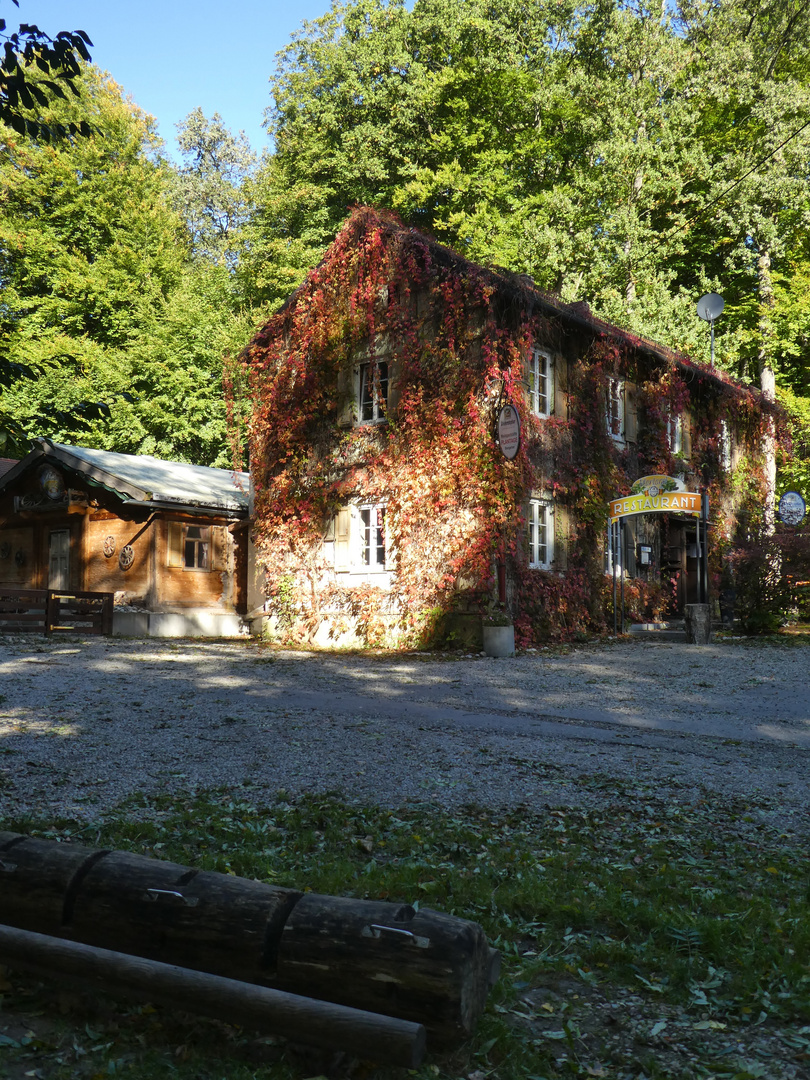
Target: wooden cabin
168	539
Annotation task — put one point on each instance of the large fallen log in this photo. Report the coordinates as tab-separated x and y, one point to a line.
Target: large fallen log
368	1035
422	966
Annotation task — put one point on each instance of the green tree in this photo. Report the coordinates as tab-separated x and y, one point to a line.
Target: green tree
211	190
103	298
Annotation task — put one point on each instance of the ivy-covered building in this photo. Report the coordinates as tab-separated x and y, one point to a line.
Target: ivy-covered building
384	509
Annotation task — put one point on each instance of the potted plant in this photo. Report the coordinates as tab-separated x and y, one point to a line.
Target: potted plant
498	631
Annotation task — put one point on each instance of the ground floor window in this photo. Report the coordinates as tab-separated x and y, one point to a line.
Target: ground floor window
372	537
540	522
190	546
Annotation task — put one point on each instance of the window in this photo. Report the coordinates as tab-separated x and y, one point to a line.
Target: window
614	409
373	396
612	541
189	546
540	522
195	548
725	445
675	430
372	537
357	539
541	383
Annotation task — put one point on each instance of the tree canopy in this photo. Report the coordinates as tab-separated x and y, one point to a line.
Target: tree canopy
630	154
104	300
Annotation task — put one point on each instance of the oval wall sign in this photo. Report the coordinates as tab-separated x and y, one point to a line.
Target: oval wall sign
792	508
509	431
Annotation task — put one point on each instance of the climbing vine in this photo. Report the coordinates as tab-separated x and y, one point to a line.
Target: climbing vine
454	337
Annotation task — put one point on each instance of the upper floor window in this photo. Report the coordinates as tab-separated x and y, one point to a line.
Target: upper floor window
725	445
675	432
540	523
614	409
541	383
373	392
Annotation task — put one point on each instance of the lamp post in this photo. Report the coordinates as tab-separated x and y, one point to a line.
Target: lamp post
708	308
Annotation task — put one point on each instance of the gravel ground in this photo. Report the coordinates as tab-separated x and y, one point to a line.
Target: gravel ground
85	724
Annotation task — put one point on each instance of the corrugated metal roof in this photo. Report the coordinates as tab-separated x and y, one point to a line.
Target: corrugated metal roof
142	476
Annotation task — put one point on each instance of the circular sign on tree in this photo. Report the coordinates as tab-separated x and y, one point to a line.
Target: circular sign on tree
509	432
792	508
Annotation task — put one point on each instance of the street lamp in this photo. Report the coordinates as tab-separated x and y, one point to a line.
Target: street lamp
708	308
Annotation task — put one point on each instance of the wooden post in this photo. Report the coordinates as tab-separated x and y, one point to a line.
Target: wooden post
368	1035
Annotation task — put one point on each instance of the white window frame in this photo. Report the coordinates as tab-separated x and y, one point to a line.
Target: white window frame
369	518
374	404
540	532
540	383
726	458
675	434
609	555
614	409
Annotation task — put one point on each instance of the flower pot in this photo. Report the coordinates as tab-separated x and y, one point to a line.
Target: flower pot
499	640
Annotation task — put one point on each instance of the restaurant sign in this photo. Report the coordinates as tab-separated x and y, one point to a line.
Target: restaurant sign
509	432
656	495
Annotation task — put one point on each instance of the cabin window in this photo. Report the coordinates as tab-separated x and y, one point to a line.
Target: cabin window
189	546
676	435
372	537
725	445
614	409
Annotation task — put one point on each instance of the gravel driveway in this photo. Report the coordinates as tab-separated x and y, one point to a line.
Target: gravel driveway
85	724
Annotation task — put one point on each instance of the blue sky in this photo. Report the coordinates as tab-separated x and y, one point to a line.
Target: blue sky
175	55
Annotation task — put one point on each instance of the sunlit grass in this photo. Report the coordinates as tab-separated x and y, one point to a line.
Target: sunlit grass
674	910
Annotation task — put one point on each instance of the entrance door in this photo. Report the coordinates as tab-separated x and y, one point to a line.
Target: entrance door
59	560
679	564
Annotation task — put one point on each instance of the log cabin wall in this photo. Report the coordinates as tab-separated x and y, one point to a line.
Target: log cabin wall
94	542
181	545
105	537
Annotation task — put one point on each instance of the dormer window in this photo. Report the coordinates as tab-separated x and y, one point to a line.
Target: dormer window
540	383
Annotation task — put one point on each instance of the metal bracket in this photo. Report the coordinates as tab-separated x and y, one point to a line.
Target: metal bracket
376	931
171	896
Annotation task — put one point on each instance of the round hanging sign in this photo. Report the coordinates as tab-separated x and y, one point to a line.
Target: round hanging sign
792	508
51	482
509	432
109	546
127	557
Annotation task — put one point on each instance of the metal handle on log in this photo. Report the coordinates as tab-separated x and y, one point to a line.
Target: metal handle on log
368	1035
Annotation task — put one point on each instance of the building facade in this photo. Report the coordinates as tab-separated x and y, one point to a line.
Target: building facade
384	509
168	539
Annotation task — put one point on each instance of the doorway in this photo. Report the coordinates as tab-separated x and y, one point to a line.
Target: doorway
680	564
59	559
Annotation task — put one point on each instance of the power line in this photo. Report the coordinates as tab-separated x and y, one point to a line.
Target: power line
737	182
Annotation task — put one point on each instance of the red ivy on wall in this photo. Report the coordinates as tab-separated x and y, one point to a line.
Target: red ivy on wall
457	340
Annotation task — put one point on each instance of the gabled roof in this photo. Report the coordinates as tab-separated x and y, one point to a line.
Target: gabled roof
143	479
521	294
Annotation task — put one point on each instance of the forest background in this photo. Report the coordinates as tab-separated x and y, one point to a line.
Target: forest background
632	155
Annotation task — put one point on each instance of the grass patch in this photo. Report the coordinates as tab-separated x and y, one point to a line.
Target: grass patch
648	940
